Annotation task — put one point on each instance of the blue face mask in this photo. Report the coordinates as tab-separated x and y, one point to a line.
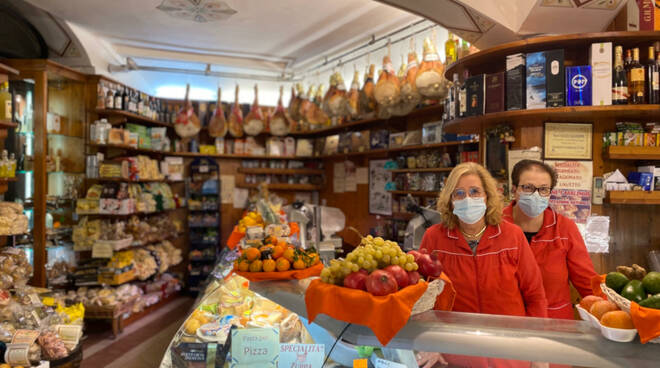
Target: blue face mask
533	204
470	210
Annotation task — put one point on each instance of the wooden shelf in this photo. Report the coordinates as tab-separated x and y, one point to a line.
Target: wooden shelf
497	55
266	170
416	147
291	187
633	197
473	124
633	153
7	124
193	154
7	180
414	193
132	117
434	169
123	180
6	69
130	214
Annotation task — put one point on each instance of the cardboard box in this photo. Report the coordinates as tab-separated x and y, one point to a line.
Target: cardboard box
600	59
555	90
475	91
578	85
655	170
515	82
535	91
495	92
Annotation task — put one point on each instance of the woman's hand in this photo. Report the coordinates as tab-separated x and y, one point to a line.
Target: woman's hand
430	359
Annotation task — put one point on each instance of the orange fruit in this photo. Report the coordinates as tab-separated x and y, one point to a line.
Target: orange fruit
283	264
278	251
299	264
243	266
281	243
256	266
588	301
252	253
269	265
314	259
598	309
289	254
617	319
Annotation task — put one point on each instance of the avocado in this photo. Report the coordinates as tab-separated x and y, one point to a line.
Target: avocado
651	302
651	282
616	281
634	291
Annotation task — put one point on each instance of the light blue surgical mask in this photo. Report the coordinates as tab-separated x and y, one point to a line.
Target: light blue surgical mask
533	204
470	210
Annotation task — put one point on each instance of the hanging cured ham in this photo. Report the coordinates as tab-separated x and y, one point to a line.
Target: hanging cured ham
331	90
410	97
314	115
187	123
254	121
354	96
218	125
430	80
294	103
338	99
367	100
306	101
387	89
236	118
279	122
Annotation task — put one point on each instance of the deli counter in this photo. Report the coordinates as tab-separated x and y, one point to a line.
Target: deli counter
281	304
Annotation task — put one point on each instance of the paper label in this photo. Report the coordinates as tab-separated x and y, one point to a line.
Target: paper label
255	347
301	355
25	337
637	74
70	335
102	250
17	354
382	363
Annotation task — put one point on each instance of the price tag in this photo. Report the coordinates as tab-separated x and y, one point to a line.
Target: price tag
17	354
70	335
102	250
301	355
25	337
382	363
255	347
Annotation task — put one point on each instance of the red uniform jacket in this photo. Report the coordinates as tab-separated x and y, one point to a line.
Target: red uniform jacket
561	254
501	278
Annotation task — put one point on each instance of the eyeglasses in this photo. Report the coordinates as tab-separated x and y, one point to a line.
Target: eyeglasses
473	192
530	189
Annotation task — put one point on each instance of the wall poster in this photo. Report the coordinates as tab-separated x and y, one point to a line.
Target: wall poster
572	195
380	200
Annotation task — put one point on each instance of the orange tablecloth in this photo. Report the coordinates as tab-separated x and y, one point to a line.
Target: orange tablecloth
284	275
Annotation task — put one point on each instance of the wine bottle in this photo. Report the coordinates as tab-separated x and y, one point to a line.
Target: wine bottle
636	80
118	98
124	99
619	79
652	83
109	98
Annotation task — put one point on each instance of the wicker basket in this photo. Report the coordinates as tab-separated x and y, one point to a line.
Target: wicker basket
427	300
109	312
621	302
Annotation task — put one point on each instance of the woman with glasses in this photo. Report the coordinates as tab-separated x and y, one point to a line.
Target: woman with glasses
488	260
555	240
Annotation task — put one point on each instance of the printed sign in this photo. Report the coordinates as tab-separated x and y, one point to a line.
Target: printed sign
25	337
572	195
382	363
17	354
301	355
102	250
255	347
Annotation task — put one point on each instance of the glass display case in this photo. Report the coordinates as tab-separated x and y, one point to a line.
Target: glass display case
476	335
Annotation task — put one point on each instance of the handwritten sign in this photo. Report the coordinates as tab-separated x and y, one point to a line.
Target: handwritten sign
572	195
255	347
382	363
301	355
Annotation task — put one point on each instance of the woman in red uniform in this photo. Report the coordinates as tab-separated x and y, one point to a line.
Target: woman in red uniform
555	240
488	260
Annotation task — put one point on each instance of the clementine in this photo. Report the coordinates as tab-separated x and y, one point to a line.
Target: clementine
283	264
278	251
299	264
617	319
598	309
252	253
256	266
269	265
288	254
243	265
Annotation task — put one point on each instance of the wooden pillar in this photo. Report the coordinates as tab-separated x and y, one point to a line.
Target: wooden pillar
40	176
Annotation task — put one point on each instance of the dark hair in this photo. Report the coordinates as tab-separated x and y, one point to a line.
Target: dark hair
525	165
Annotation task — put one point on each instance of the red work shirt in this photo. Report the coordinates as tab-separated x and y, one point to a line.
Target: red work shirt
562	256
501	277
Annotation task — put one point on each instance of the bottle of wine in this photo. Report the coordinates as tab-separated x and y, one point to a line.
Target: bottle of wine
118	98
652	82
124	99
140	104
110	98
636	80
452	97
450	49
619	79
462	96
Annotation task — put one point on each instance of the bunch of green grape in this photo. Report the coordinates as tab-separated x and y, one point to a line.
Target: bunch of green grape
371	254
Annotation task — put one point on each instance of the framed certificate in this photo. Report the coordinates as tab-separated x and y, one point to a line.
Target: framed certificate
567	141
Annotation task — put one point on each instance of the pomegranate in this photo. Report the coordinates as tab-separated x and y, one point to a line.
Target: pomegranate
381	283
429	265
415	254
423	250
399	274
413	277
357	280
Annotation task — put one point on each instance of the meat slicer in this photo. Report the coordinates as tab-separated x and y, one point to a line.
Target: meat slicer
425	217
318	224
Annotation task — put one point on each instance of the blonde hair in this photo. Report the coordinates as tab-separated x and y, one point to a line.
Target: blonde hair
494	204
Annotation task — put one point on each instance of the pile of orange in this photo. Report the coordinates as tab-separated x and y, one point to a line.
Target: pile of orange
607	312
275	255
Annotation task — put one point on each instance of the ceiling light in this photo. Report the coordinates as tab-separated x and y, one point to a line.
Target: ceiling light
201	11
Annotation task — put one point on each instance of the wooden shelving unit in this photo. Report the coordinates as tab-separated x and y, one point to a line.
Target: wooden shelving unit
417	147
7	124
632	153
290	187
123	180
265	170
427	170
633	197
414	193
131	117
116	215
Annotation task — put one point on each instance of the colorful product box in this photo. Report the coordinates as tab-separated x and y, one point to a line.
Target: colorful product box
600	58
554	77
578	85
535	91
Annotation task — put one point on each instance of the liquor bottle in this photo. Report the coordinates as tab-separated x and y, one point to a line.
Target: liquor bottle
619	79
462	96
140	104
652	82
100	95
628	61
636	80
4	165
124	99
450	49
452	98
118	98
109	98
5	102
12	165
20	166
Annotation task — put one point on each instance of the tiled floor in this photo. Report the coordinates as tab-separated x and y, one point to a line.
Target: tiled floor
142	344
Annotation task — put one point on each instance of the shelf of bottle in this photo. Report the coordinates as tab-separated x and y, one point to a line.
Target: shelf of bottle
131	117
417	147
266	170
427	170
7	124
414	193
283	186
474	124
495	57
632	197
633	153
124	180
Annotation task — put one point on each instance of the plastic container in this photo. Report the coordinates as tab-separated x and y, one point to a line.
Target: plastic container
618	334
586	316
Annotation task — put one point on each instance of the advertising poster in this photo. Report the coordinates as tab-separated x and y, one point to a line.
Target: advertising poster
572	196
380	200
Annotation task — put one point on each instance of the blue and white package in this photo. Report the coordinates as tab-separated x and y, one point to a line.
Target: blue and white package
536	80
578	85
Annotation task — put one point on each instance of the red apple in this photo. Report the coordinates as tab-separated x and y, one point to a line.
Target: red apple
399	274
413	277
381	283
356	280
